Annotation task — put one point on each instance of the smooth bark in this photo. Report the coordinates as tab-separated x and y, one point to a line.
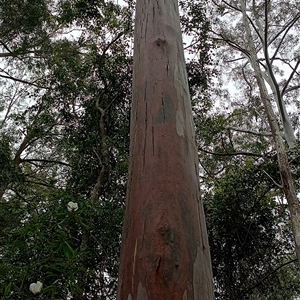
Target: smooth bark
165	253
283	163
270	78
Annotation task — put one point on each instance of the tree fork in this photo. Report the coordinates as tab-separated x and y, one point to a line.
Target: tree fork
165	253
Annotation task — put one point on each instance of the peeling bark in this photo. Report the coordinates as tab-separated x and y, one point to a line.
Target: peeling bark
165	253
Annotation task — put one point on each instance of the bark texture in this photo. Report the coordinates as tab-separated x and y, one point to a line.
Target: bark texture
165	253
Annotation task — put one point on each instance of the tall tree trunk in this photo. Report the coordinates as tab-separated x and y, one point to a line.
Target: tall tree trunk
283	163
165	253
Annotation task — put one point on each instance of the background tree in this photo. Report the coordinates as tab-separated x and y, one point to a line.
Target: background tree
233	132
259	36
64	138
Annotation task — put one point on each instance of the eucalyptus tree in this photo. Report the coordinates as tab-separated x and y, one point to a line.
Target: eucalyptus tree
243	205
261	38
165	253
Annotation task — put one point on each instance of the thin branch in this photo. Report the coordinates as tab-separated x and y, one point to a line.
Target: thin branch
192	44
22	81
230	139
234	60
290	78
104	170
280	43
25	143
255	29
230	154
277	184
262	64
287	62
277	93
208	173
111	102
252	24
265	277
6	48
39	183
232	44
231	6
45	161
247	81
249	131
10	105
292	88
112	42
287	26
266	20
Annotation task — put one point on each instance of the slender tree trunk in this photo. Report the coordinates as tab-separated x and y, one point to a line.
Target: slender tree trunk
283	163
15	163
270	78
165	253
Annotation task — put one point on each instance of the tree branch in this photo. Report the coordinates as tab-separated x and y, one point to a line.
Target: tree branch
45	161
288	130
112	42
247	81
252	24
6	48
292	88
230	154
277	184
287	26
290	78
213	176
22	81
265	277
249	131
9	107
280	43
233	44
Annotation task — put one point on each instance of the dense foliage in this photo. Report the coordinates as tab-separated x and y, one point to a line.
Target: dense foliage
64	138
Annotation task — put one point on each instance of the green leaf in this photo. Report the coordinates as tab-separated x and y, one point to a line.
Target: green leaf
7	289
